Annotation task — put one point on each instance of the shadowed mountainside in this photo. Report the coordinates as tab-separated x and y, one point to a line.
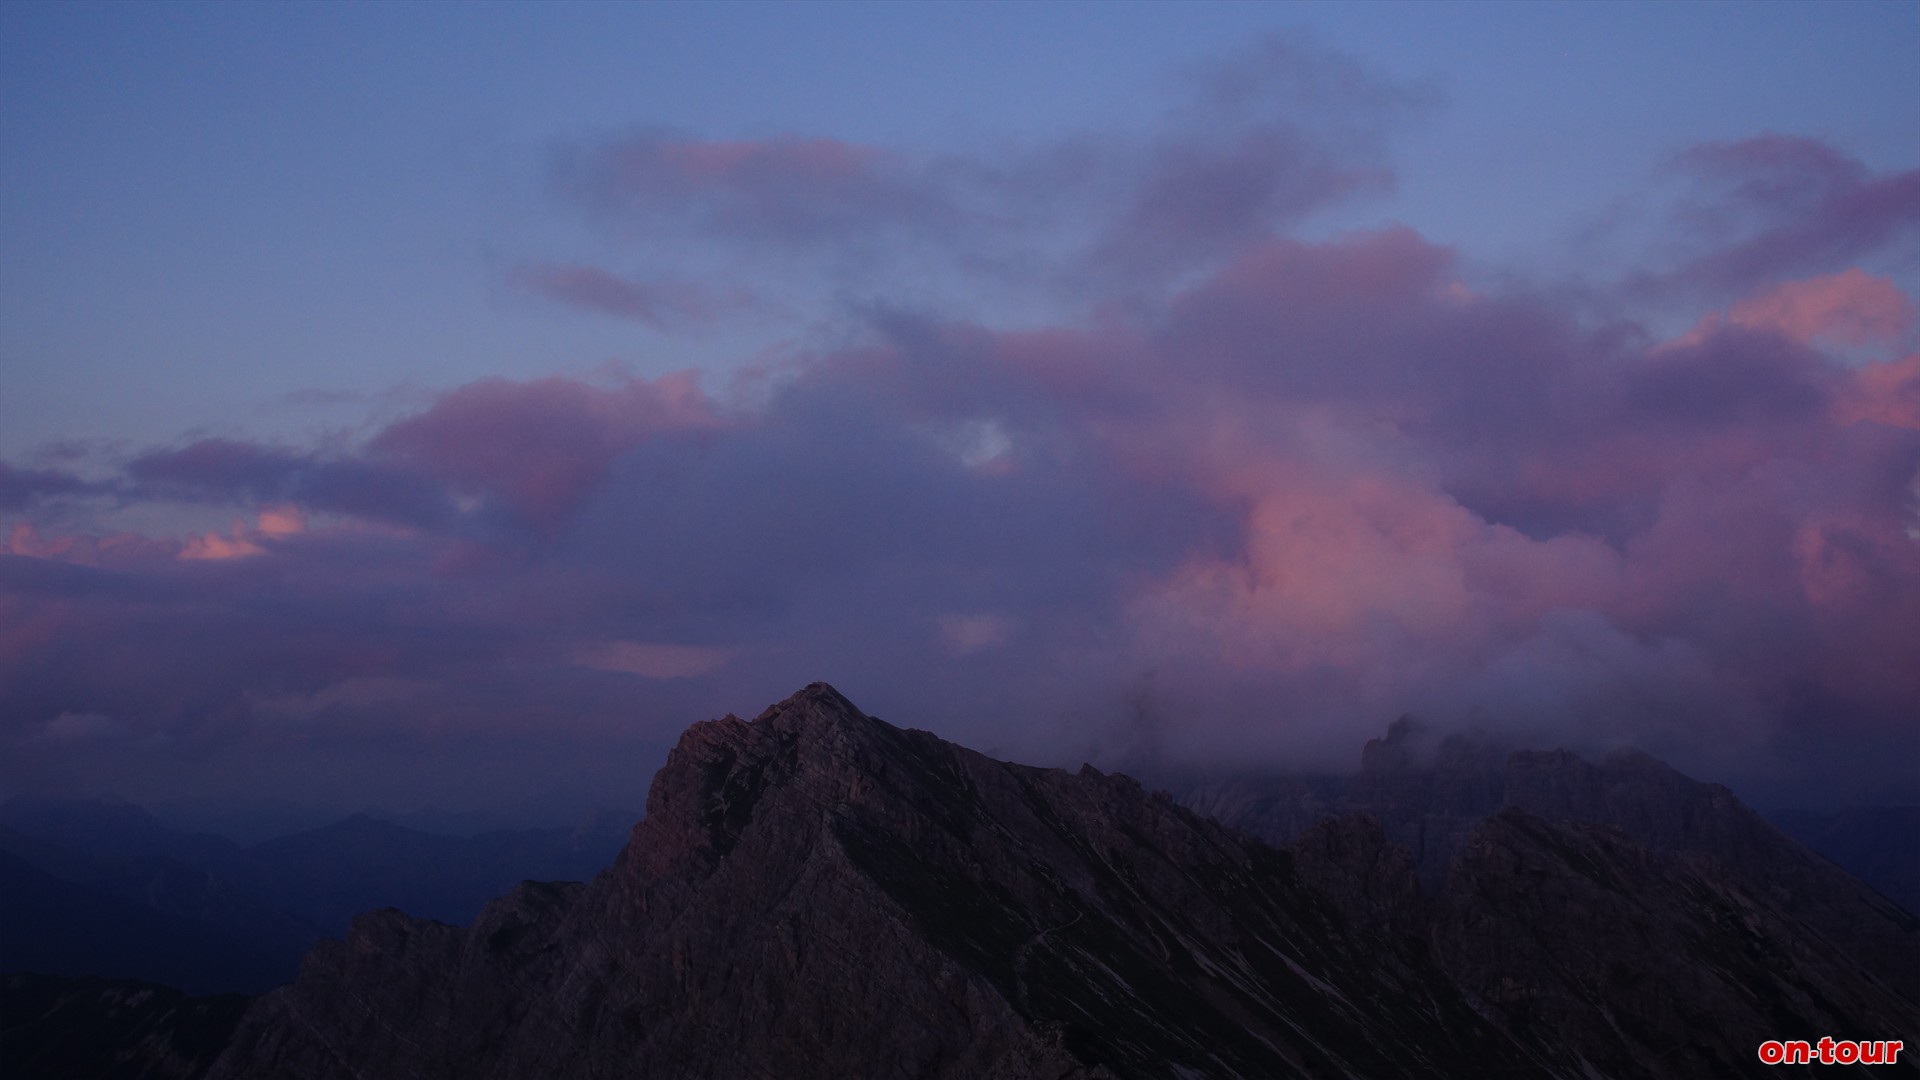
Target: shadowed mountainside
1433	799
818	893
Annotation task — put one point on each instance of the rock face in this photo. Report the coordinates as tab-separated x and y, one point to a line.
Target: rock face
816	893
1617	961
1434	800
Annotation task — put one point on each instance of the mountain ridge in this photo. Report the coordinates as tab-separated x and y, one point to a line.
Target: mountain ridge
818	893
1431	802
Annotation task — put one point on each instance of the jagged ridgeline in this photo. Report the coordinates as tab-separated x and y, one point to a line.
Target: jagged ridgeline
817	893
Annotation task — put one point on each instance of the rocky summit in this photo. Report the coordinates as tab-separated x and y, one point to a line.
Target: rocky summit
816	893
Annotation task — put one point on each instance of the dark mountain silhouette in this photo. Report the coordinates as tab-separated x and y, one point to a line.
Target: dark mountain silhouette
110	1029
109	828
1880	845
1432	797
254	941
331	874
819	894
551	812
51	925
123	895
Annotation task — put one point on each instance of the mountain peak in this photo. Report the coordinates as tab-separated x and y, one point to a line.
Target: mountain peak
715	778
816	700
813	709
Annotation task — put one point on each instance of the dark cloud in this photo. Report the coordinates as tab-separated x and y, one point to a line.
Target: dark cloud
1268	136
228	471
20	488
1195	200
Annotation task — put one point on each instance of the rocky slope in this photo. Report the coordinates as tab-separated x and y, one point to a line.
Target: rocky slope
1433	798
818	893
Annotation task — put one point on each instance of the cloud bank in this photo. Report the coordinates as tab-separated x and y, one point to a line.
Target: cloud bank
1273	491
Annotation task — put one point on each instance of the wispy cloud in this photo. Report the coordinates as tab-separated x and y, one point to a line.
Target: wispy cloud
659	304
1766	209
1260	141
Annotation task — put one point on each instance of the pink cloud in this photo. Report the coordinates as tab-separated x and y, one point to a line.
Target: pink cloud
1325	561
280	522
243	540
1848	308
1852	308
1374	576
127	550
84	549
212	547
1885	392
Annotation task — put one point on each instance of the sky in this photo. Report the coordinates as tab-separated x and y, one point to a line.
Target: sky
427	404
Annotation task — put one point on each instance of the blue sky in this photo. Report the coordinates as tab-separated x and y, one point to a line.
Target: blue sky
209	207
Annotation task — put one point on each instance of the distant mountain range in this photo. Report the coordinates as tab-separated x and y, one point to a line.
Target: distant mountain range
817	893
1878	844
106	889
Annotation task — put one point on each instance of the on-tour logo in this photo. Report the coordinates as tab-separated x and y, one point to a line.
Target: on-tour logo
1830	1051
